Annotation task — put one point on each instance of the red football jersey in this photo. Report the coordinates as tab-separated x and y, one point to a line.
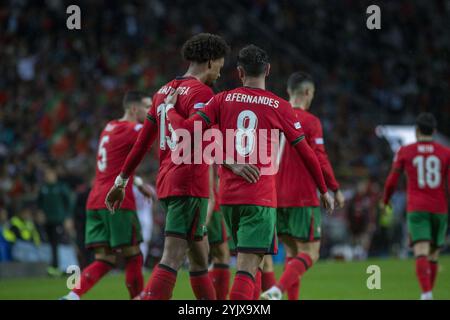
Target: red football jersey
250	112
295	185
426	165
116	141
183	179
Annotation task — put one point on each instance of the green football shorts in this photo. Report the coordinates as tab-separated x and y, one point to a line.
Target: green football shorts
426	226
300	223
252	228
217	230
112	230
185	217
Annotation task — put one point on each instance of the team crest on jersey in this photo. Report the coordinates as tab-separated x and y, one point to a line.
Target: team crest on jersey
297	125
138	127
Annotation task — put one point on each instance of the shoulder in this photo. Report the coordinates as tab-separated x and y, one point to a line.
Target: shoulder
199	88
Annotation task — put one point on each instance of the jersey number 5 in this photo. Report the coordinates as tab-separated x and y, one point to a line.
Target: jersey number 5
428	171
102	156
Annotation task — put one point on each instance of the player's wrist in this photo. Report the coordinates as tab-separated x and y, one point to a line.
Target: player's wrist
120	182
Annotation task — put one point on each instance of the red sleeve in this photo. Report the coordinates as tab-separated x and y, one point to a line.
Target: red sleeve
207	117
294	134
392	180
311	163
143	143
199	100
317	144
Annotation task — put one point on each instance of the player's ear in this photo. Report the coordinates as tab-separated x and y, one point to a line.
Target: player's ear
240	72
267	69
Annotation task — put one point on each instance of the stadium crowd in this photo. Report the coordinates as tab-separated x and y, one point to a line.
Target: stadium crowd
60	87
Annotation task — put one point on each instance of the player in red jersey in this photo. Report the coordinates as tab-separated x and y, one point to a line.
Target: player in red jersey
298	213
250	114
427	167
121	232
182	189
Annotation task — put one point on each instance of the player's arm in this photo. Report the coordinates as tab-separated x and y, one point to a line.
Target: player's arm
317	144
205	117
143	143
394	175
295	135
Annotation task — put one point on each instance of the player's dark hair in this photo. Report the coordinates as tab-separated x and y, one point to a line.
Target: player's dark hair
204	47
253	60
426	123
297	79
132	97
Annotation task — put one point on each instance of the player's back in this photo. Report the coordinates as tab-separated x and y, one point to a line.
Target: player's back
115	142
426	164
295	185
180	179
258	117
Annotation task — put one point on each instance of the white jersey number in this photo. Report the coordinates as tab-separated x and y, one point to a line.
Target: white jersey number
247	122
428	171
163	139
102	155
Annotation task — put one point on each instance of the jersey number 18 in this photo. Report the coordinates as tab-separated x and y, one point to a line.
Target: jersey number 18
428	171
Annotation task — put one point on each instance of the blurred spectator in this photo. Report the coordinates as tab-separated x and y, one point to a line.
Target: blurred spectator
21	233
5	246
55	200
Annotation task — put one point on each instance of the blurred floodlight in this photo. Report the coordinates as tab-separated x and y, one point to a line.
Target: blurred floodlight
397	136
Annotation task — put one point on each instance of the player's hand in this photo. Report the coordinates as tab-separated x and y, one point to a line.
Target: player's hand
249	172
339	199
114	198
327	202
172	97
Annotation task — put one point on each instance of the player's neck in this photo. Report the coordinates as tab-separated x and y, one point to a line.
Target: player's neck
257	83
298	105
197	72
128	117
424	138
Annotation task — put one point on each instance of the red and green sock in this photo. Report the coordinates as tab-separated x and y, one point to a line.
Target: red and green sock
293	290
220	277
91	275
161	283
268	280
257	287
423	273
202	285
243	286
294	270
134	279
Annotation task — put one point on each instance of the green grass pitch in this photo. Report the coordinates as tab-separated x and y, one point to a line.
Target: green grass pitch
326	280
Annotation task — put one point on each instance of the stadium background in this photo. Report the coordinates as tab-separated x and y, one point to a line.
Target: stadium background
59	88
